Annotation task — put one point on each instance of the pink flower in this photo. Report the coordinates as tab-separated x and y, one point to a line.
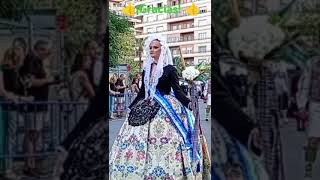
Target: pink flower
152	140
141	156
129	155
178	157
133	138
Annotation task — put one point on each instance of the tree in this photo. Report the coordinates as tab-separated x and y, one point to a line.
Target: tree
121	40
139	47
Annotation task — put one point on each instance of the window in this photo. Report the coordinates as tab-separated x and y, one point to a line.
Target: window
189	50
174	27
159	5
159	28
160	16
149	30
202	35
202	10
202	60
202	22
202	49
184	26
149	19
173	3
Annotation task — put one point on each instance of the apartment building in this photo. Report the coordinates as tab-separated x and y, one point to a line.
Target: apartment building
189	34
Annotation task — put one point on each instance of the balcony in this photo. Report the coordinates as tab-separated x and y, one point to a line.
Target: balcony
184	39
181	30
180	42
192	53
171	17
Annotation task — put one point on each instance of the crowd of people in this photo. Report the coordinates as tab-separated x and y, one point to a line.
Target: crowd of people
25	86
123	92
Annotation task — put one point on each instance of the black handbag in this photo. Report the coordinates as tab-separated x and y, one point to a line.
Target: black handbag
143	111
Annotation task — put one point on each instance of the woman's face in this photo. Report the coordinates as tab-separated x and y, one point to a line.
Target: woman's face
19	51
155	49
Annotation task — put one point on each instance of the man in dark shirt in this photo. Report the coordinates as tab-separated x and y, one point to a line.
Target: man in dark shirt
38	87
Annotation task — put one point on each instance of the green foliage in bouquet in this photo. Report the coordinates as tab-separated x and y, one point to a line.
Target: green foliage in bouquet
177	61
205	72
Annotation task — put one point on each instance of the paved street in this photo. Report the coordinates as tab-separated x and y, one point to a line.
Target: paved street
115	125
293	142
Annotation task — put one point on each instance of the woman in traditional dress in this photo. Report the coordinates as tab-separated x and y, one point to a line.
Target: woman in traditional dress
155	140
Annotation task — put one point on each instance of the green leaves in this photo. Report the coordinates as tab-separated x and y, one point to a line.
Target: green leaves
122	41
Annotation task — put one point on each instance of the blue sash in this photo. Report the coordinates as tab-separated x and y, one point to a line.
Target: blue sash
185	133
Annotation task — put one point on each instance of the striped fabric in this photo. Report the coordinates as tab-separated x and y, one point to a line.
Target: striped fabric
267	115
195	110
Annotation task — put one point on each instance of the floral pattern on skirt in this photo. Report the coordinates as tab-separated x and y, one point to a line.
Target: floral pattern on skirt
154	151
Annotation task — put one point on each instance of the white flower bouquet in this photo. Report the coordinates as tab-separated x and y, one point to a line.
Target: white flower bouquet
190	73
255	37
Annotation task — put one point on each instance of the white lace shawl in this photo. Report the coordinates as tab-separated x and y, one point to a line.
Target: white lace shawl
164	60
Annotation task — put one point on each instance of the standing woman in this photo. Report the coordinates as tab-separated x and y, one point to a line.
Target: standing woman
135	87
113	91
154	141
82	90
9	87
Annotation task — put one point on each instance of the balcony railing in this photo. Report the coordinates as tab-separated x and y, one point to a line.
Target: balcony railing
170	16
184	40
171	29
192	52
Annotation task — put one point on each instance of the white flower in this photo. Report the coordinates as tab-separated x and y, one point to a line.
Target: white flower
255	37
190	73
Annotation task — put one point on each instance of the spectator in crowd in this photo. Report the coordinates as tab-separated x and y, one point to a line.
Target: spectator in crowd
139	78
9	91
113	91
207	93
81	89
120	100
20	47
33	69
90	49
87	139
135	86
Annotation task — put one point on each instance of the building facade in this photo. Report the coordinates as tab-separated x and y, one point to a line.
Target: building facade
189	34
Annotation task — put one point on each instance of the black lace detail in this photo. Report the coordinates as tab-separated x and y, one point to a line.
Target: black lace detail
143	111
